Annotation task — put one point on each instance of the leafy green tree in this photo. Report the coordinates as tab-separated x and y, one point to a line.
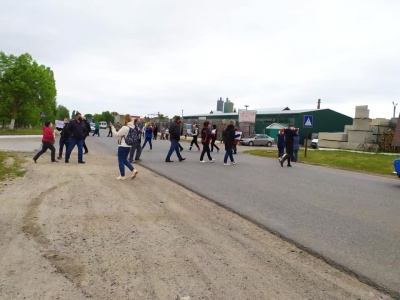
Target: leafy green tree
97	118
107	116
89	116
162	117
26	89
62	112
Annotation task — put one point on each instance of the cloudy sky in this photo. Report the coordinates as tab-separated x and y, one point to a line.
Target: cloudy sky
149	56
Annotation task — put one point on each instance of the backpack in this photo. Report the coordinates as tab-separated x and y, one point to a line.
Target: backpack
131	137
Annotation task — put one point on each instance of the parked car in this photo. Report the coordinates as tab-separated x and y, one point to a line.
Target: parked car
258	140
314	142
92	126
396	165
103	124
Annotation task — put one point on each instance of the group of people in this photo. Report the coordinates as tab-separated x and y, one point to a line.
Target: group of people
73	133
289	140
208	136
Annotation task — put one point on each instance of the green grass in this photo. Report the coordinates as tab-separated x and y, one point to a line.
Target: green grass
22	131
364	162
10	165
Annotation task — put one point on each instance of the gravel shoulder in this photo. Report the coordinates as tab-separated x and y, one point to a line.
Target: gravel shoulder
70	231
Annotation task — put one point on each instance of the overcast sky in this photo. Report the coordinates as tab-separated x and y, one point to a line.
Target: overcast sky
149	56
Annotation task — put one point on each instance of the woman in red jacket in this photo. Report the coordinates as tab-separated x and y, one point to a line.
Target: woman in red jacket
47	141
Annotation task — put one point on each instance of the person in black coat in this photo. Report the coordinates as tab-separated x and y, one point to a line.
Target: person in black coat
87	131
64	138
77	132
205	141
290	133
228	135
175	136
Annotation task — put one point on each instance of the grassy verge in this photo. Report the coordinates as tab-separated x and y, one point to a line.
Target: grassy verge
10	165
374	163
22	131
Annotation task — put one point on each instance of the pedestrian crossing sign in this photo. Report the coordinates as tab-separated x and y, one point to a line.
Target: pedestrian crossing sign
308	121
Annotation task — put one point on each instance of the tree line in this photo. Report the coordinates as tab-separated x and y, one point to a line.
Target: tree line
27	90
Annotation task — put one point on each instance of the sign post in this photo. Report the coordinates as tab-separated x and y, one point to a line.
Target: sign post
307	123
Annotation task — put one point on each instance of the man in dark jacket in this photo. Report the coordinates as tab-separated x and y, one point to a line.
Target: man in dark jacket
228	136
77	132
290	133
175	136
87	131
64	138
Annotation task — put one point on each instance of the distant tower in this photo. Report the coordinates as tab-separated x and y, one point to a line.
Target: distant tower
228	106
319	104
220	105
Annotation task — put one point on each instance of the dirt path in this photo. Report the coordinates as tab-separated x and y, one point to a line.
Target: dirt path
70	231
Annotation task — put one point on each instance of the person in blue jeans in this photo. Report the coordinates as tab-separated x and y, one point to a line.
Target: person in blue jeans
123	149
281	142
76	130
228	136
175	136
296	147
148	135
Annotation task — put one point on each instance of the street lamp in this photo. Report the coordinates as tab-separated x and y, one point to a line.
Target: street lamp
246	106
394	109
182	113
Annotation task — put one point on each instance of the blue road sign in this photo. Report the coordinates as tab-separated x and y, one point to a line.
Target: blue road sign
308	121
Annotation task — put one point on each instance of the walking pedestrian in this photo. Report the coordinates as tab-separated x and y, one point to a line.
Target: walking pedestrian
148	135
205	141
290	133
76	130
296	147
155	131
175	136
281	142
96	129
123	148
162	131
167	133
228	136
63	139
214	138
136	146
47	143
109	132
236	141
194	138
87	132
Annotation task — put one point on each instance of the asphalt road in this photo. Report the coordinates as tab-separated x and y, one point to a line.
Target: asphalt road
350	219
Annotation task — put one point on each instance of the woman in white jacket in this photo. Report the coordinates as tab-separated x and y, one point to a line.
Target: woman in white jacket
123	149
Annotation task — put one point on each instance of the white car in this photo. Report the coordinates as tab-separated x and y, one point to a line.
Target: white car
92	126
103	124
314	142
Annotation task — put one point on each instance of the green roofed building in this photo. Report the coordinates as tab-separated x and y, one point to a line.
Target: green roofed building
324	120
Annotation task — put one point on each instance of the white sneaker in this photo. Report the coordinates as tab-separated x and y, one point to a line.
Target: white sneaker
227	164
213	160
234	163
202	161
